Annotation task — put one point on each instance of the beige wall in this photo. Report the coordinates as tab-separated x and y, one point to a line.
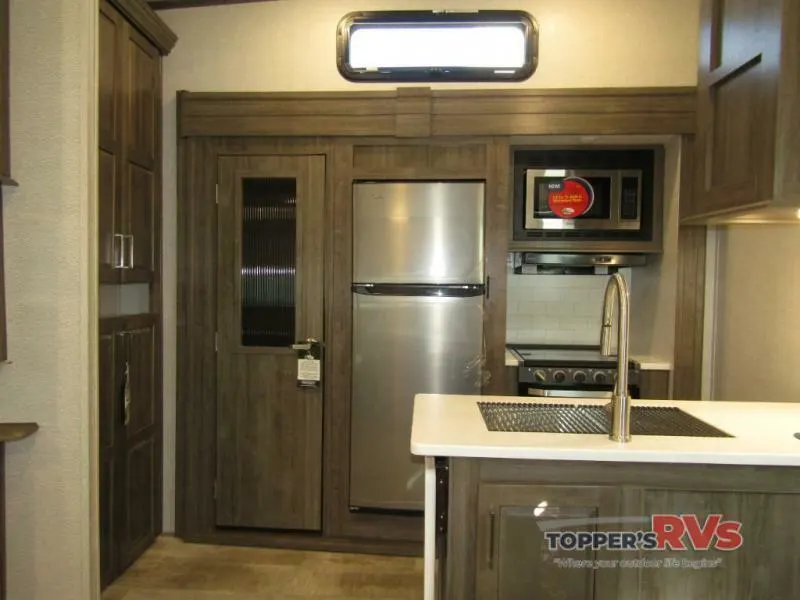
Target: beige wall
757	346
50	242
653	287
289	45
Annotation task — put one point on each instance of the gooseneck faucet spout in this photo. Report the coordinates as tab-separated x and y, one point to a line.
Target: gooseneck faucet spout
617	293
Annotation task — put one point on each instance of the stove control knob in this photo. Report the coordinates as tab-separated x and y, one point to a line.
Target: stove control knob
559	376
599	377
540	376
579	377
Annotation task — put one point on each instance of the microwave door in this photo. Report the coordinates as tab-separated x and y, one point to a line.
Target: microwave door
538	215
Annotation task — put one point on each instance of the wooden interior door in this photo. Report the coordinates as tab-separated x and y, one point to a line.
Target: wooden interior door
142	102
270	286
111	32
141	483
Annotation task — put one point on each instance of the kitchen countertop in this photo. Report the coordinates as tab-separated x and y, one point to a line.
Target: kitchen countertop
646	363
511	360
450	425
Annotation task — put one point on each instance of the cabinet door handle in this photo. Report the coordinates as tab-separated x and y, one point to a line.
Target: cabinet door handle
130	251
119	251
127	394
490	558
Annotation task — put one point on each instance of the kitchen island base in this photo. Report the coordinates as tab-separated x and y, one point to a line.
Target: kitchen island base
492	545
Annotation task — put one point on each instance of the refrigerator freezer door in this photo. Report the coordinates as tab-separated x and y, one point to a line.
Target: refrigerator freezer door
404	346
426	232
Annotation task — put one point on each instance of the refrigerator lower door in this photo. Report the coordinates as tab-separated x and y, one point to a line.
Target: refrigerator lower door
402	346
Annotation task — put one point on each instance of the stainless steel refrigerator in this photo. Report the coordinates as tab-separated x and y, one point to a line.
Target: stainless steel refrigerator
418	291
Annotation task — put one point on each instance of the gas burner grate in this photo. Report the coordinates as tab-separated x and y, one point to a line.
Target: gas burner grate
592	419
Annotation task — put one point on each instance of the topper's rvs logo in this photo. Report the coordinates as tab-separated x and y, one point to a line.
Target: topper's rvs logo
667	532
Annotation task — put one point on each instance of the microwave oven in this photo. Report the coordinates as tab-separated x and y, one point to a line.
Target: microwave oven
617	199
621	190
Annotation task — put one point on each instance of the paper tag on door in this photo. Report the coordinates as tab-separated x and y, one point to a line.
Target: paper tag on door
308	371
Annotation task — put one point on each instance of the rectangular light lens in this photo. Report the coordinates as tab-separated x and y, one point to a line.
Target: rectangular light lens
495	46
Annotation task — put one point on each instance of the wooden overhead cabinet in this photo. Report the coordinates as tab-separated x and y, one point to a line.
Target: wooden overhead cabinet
748	133
129	167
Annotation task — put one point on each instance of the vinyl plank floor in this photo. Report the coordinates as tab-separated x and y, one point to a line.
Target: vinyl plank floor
173	570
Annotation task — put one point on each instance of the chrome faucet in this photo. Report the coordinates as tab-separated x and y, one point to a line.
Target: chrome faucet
617	293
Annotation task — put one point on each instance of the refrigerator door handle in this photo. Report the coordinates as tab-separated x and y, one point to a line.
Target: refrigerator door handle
419	289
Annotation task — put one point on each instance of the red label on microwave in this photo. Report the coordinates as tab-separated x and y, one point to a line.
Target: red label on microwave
570	198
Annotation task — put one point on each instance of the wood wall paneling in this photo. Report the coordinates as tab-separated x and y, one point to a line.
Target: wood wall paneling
498	196
413	107
690	297
655	384
452	113
170	4
338	327
196	320
689	313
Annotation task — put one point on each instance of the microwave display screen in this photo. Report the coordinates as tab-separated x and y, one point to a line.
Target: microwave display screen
600	209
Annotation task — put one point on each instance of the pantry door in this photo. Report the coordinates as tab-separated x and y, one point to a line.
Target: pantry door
270	296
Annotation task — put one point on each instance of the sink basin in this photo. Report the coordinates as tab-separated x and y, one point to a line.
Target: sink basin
590	418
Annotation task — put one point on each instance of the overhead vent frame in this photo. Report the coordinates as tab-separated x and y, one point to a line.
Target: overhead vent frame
437	46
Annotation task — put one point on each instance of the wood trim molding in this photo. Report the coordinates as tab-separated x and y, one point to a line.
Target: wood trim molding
687	380
149	23
413	117
689	313
421	112
169	4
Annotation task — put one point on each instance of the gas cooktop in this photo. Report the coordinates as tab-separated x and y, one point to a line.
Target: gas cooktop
564	356
570	367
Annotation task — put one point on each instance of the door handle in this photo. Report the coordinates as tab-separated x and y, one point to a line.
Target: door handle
126	395
490	558
130	251
119	251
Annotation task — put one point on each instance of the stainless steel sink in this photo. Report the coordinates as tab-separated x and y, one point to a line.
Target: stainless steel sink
590	418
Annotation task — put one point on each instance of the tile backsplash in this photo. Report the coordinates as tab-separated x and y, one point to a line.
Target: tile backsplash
557	309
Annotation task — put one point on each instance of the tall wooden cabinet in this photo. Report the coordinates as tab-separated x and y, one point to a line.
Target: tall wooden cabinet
748	111
132	40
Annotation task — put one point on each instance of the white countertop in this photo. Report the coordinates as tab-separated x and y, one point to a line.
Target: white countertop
511	360
646	363
651	363
448	425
